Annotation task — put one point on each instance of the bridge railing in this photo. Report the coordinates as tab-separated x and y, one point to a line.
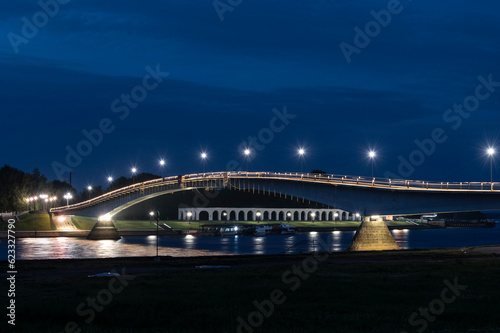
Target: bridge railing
306	177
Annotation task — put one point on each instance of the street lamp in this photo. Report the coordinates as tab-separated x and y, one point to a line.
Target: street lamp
491	152
288	216
189	214
110	180
312	216
258	214
44	197
89	189
68	196
134	171
335	215
301	156
247	153
152	216
203	158
371	155
162	166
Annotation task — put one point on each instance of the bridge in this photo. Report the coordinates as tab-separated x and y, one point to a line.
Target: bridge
356	194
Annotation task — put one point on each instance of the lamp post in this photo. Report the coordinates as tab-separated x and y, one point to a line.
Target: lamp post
335	215
134	171
44	197
89	189
301	156
110	180
203	158
68	196
372	155
162	166
258	214
247	153
288	216
312	216
152	216
491	152
189	214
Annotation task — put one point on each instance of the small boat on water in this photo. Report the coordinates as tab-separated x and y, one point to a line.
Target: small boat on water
274	229
218	230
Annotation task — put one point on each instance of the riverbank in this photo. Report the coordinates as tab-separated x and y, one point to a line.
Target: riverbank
178	232
342	292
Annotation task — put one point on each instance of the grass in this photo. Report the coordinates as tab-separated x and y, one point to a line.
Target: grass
352	297
136	224
83	222
399	223
37	221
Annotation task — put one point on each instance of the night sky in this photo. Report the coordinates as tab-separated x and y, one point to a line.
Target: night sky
170	79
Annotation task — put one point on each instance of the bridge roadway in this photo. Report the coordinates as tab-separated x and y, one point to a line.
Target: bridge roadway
366	196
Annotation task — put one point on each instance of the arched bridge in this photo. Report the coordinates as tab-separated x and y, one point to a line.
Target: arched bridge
366	196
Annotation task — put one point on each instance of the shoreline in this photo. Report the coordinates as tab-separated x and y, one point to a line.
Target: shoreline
162	232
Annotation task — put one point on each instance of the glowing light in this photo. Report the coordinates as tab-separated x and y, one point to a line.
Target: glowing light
371	154
110	179
61	218
134	170
490	151
375	217
247	152
105	217
151	213
89	188
301	151
203	155
162	162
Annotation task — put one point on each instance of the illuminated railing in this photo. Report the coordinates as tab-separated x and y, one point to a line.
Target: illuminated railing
177	182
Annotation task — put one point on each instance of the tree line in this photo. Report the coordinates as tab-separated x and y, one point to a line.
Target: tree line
16	186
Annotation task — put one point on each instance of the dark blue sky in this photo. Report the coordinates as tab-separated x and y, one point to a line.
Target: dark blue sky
69	71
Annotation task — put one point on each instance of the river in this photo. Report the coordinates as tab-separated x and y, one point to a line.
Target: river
130	246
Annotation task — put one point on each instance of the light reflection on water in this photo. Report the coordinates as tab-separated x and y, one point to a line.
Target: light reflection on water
132	246
401	237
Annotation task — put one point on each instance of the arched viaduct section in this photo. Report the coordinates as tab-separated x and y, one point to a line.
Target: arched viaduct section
366	196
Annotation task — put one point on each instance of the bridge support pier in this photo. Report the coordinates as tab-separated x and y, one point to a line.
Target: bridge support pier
373	236
104	229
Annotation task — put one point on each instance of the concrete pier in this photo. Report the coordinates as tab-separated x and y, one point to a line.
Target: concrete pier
104	230
373	236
